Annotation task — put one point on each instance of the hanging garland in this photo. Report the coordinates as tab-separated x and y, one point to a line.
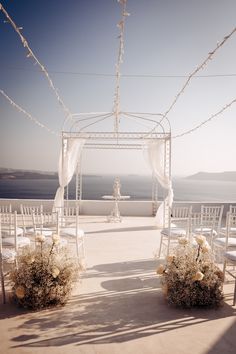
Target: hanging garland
30	54
28	115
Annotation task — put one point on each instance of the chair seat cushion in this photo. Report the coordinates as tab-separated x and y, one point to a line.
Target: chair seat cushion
44	231
221	241
205	231
232	229
8	255
174	232
231	255
21	241
71	231
10	232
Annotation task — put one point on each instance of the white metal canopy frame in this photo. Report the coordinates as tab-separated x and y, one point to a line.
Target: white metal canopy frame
85	131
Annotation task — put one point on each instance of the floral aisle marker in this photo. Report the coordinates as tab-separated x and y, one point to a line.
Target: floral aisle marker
190	277
44	276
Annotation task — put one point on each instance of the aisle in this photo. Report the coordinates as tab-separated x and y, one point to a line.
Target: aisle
118	306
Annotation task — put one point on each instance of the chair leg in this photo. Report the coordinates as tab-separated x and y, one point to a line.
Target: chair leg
77	247
159	253
234	301
83	249
224	269
168	247
3	285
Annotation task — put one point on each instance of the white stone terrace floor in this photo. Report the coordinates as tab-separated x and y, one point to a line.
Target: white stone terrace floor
118	306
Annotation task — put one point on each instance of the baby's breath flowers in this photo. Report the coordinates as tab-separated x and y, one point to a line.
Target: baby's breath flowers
190	276
40	238
44	275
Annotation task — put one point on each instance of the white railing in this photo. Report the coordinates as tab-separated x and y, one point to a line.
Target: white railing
103	207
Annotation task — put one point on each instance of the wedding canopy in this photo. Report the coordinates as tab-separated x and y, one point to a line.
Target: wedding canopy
155	143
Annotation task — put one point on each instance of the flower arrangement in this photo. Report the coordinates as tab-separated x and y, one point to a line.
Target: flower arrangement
43	276
190	276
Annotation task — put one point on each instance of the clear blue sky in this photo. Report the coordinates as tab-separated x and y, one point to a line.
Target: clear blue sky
162	37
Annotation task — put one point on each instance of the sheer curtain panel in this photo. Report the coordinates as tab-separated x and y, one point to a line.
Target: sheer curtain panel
69	158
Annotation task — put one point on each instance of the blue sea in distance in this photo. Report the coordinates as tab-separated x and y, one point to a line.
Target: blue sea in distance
137	187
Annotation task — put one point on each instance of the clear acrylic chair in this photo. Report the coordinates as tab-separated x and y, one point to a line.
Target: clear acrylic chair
232	208
26	214
8	228
203	224
5	208
212	211
69	228
228	244
179	226
227	238
47	224
10	244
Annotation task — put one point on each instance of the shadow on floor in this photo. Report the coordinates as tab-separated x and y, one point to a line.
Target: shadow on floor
126	309
124	229
121	269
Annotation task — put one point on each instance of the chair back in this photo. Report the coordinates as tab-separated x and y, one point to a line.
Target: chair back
68	216
230	225
232	208
203	223
180	216
216	211
9	226
5	208
26	213
42	221
1	264
179	212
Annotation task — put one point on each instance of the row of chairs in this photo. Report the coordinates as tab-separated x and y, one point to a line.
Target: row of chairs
33	221
185	222
207	222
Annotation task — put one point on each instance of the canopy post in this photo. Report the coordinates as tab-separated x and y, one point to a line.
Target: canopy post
154	195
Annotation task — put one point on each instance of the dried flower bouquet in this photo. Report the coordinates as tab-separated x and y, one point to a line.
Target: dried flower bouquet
190	277
43	276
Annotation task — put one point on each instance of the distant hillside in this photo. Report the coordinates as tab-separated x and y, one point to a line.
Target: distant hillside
11	173
219	176
8	173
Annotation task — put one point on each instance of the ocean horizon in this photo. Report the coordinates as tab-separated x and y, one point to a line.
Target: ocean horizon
94	187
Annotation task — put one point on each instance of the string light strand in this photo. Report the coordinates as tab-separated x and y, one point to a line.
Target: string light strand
20	109
121	26
37	62
200	67
207	120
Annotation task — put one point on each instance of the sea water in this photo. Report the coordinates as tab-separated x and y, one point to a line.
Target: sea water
137	187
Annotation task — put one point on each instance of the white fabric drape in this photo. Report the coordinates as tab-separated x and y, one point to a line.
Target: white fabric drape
70	155
156	159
